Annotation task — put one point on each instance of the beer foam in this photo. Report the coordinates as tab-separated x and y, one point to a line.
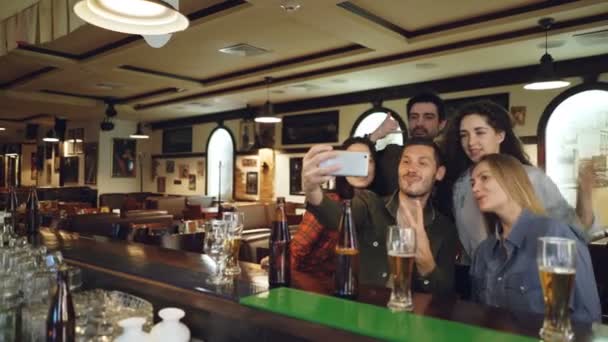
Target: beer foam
557	270
403	255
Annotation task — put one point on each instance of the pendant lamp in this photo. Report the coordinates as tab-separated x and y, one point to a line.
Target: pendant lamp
267	114
546	77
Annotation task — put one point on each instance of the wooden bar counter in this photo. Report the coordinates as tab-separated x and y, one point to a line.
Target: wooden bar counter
213	313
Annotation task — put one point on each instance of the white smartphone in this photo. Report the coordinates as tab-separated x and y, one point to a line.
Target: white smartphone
352	163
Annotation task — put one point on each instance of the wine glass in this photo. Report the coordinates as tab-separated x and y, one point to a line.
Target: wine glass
216	248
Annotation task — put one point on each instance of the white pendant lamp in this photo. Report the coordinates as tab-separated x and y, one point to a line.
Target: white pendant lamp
144	17
546	77
139	133
267	114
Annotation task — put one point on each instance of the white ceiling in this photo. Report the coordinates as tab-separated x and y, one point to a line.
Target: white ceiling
303	47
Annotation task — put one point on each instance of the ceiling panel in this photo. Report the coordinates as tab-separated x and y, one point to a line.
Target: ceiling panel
194	53
13	67
414	15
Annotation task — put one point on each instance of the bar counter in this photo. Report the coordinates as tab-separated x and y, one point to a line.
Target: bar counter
214	313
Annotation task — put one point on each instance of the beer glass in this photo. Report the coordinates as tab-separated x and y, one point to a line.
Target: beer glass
401	249
234	229
215	247
556	259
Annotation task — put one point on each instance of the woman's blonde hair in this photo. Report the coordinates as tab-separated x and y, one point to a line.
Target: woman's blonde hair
513	179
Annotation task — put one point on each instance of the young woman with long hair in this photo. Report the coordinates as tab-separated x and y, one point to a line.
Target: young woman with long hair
482	128
504	271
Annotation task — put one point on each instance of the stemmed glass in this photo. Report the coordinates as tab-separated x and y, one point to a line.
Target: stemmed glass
401	249
234	229
216	248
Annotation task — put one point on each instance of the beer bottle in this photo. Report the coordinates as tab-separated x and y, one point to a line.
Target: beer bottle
61	320
279	273
32	217
346	278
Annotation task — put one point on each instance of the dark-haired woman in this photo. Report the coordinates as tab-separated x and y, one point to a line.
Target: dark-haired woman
483	128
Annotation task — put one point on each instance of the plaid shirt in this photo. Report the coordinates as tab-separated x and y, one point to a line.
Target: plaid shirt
313	246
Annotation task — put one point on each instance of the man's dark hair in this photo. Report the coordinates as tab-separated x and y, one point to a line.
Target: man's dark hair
423	141
427	98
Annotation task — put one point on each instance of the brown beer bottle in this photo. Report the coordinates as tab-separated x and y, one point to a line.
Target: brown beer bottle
61	320
279	273
32	218
346	278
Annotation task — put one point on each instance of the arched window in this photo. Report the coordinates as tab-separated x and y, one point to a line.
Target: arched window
220	163
574	128
371	119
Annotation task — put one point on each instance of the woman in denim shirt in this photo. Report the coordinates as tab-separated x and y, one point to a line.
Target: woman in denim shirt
504	270
482	128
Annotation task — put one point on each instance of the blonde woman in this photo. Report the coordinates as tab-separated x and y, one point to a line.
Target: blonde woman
504	271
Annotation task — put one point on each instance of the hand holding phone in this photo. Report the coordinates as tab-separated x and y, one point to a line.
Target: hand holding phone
351	163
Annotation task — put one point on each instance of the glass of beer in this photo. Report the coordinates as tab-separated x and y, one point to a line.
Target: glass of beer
401	249
556	259
234	225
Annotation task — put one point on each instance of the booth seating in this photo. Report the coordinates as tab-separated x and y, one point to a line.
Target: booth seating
256	231
126	201
110	225
63	194
173	205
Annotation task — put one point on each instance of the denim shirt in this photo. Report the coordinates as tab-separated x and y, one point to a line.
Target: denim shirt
505	274
471	225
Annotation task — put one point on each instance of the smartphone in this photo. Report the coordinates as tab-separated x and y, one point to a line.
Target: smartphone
352	163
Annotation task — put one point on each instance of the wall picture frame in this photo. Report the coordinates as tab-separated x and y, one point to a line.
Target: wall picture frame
161	184
90	163
251	183
69	169
452	106
169	166
192	182
124	152
312	128
295	176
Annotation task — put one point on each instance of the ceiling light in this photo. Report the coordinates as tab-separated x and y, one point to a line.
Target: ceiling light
2	129
267	114
139	133
51	136
144	17
290	5
546	77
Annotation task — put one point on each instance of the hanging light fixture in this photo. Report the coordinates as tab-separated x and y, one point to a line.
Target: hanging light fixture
143	17
51	136
546	77
267	114
139	133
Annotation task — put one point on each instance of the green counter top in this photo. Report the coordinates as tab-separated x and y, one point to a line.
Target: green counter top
370	320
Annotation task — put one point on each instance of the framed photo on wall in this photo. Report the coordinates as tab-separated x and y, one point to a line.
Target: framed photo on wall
169	166
295	176
69	171
452	106
33	168
311	128
123	158
90	163
251	183
192	182
160	184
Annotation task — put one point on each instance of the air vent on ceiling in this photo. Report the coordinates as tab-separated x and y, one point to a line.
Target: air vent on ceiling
592	38
244	50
